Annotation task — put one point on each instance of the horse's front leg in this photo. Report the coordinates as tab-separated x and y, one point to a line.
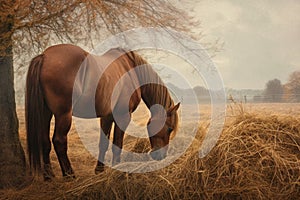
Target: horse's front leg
117	145
118	139
62	127
106	124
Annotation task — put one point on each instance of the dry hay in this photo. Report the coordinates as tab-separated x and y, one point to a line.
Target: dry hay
256	157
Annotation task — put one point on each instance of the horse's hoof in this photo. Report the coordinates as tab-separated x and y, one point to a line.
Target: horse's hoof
99	169
69	177
48	178
48	173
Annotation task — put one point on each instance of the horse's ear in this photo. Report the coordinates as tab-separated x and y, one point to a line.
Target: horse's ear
173	109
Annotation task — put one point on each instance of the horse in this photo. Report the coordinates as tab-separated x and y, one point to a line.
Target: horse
50	86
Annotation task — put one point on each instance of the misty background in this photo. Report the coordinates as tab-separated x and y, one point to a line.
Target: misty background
261	39
258	41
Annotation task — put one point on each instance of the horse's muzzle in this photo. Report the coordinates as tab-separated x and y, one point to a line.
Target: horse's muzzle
158	154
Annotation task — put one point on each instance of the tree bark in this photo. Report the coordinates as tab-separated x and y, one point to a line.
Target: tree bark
12	157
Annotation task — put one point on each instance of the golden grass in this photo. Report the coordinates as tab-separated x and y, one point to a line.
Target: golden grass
257	157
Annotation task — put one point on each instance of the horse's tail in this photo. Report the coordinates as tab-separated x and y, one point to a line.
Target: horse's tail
34	113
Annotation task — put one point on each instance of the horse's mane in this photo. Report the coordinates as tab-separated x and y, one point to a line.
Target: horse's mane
156	92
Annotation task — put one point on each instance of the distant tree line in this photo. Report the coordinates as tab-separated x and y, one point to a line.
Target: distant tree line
275	91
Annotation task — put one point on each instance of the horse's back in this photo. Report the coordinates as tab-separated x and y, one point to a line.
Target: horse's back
69	70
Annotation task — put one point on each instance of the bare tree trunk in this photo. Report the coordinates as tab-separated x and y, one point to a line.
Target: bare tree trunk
12	157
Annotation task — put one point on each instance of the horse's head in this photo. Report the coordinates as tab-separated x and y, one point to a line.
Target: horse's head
159	139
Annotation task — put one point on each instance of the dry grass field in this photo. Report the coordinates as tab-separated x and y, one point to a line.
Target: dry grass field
256	157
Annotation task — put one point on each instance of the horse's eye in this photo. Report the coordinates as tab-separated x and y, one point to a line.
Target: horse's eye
170	130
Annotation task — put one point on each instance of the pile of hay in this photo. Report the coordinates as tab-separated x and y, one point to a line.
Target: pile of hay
256	157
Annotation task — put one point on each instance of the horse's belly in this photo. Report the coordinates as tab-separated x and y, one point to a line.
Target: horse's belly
84	107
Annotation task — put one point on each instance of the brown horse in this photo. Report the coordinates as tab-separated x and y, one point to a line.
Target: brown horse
51	84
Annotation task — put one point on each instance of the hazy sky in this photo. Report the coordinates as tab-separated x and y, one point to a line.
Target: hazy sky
262	39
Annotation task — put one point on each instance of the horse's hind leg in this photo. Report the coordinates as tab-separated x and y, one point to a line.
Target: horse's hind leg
106	124
48	172
62	127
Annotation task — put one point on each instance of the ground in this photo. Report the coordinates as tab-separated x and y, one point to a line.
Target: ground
83	161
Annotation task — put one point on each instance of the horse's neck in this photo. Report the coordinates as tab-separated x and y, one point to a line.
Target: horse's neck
153	90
